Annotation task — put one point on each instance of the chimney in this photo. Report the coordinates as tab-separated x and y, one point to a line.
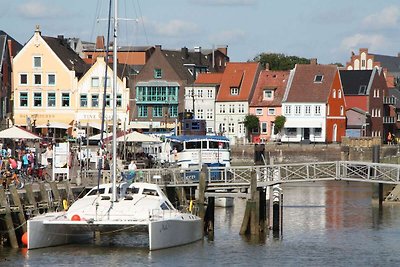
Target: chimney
61	37
100	43
267	66
197	49
223	49
10	48
158	47
313	61
185	52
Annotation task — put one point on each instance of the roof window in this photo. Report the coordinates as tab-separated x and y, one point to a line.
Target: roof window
318	78
362	90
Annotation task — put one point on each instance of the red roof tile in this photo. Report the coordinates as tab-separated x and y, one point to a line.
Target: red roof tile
208	78
303	87
240	75
275	80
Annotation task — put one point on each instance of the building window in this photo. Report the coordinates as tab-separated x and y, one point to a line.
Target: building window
200	114
327	109
317	132
271	111
307	110
234	91
268	94
108	81
259	111
157	73
222	108
173	110
318	78
23	79
297	110
157	111
37	79
340	94
51	99
362	89
119	100
51	79
291	132
241	108
95	82
84	100
288	110
341	111
231	127
65	100
317	110
210	93
23	99
37	99
210	114
95	100
264	127
334	93
37	62
231	108
142	111
108	100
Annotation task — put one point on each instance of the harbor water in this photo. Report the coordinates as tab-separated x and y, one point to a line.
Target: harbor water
331	224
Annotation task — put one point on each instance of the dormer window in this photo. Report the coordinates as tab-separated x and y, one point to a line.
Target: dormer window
318	78
268	94
234	91
157	73
362	90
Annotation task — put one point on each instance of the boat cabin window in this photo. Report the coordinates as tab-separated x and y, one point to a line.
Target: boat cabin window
164	206
94	191
193	145
177	145
132	190
150	192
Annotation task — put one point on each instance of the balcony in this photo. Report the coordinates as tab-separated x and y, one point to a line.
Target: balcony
389	120
389	100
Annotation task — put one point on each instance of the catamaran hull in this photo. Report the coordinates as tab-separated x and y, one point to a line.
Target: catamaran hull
171	233
49	230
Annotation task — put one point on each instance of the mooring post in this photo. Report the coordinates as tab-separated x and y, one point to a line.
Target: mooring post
201	192
276	209
8	218
32	207
56	196
376	159
263	209
255	211
209	218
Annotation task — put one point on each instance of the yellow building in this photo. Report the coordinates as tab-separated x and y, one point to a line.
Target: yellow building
45	79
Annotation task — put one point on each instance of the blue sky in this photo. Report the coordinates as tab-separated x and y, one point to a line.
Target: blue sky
322	29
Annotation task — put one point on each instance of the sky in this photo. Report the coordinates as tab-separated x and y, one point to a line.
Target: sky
322	29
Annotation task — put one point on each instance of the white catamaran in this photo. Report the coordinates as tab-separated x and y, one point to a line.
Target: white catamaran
112	207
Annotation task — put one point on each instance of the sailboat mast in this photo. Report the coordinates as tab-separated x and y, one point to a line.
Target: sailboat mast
114	105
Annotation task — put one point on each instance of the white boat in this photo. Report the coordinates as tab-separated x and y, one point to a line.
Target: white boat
108	207
140	207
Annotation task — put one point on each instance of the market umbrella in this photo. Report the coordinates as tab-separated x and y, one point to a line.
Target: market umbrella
16	132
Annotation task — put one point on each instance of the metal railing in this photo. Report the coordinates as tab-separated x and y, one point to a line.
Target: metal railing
238	176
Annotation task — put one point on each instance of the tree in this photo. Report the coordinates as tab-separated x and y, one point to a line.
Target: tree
251	122
279	61
279	124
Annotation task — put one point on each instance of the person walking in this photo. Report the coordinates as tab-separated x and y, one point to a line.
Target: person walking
389	138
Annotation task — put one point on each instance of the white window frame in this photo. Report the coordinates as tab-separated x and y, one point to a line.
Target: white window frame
271	111
262	128
288	110
34	61
48	79
259	111
307	110
234	91
40	104
48	100
27	99
34	79
266	92
317	110
20	76
92	84
297	110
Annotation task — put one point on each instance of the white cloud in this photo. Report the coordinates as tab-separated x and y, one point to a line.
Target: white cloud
38	10
373	42
173	28
225	2
386	18
227	37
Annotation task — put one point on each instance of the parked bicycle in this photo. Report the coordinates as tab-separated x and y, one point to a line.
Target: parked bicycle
38	174
11	176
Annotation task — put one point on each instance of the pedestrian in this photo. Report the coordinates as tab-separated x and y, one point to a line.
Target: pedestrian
389	138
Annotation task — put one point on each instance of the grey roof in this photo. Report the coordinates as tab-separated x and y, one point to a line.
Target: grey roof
3	44
355	82
68	56
391	63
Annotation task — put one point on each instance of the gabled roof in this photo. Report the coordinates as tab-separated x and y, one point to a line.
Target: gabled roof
310	83
3	44
209	79
394	92
68	56
355	82
391	63
274	80
238	75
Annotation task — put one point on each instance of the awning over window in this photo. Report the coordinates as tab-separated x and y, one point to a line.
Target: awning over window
309	123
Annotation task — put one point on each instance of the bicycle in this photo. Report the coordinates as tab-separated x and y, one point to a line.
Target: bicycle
11	176
39	174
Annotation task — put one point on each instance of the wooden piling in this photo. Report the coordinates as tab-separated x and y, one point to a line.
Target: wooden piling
209	218
18	204
56	204
251	219
32	205
8	218
44	203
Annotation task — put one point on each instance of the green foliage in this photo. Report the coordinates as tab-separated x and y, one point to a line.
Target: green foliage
279	61
251	122
279	123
